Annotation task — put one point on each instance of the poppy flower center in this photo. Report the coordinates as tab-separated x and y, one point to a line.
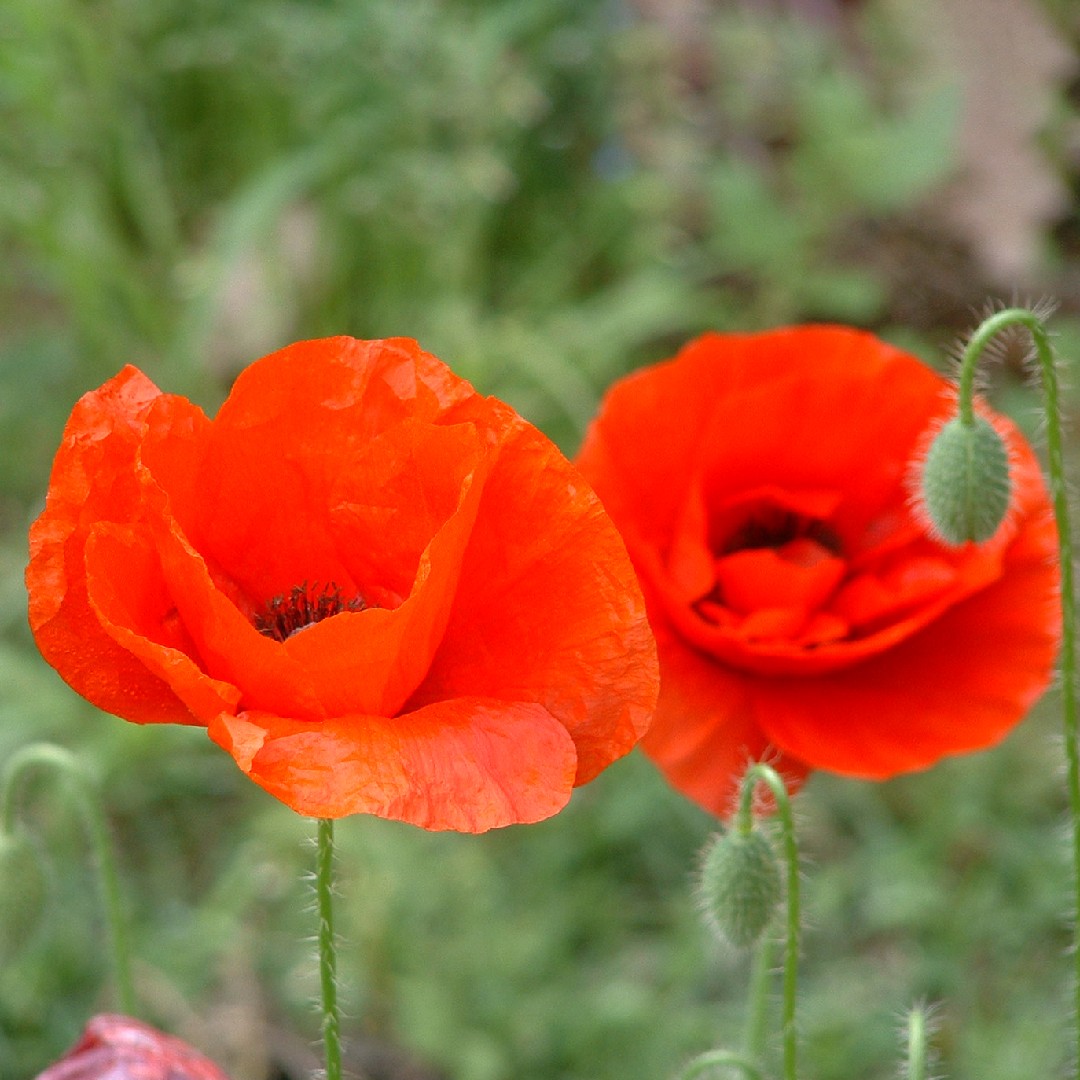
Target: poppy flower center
775	574
775	559
303	606
773	562
771	526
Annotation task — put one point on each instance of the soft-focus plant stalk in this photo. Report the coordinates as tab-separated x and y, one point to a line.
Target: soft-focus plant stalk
324	899
740	887
756	1017
1030	321
916	1045
744	821
721	1059
85	794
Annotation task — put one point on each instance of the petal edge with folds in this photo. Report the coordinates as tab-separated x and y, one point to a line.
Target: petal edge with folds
468	764
548	607
960	684
705	730
93	480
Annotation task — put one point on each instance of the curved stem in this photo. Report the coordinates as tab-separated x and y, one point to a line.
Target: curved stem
324	896
93	817
720	1059
991	326
743	821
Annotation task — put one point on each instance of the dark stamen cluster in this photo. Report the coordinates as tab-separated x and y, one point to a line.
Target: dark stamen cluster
774	527
304	605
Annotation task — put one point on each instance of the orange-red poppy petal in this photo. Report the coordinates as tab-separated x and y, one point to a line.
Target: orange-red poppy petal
126	591
93	480
705	732
548	607
960	684
281	450
468	764
372	661
357	662
397	492
717	420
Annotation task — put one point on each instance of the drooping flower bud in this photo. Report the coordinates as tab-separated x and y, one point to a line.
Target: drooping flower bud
23	893
965	485
740	885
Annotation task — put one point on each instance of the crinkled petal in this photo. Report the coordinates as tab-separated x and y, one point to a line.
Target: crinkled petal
958	685
126	590
371	661
469	764
278	458
230	648
115	1047
739	412
705	730
355	662
548	608
93	480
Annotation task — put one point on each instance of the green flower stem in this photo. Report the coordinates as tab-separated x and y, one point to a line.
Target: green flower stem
1044	353
324	899
916	1045
720	1059
756	1016
744	822
85	794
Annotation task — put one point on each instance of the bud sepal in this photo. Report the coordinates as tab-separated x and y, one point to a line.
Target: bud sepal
964	488
740	885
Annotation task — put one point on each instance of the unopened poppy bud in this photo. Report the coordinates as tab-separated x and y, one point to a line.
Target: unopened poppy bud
965	481
23	892
740	885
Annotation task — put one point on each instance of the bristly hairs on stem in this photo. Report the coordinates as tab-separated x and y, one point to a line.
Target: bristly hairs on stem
328	981
1012	346
917	1029
1033	322
767	775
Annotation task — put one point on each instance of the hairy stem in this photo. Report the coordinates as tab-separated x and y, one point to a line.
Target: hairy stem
743	821
1044	353
916	1045
324	899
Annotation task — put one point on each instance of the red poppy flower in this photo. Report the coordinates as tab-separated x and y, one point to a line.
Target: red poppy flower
380	591
762	484
114	1047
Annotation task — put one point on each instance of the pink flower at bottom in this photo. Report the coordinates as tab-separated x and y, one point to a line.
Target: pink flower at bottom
114	1047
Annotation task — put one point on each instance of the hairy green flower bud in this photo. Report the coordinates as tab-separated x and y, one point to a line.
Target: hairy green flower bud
23	892
965	482
740	885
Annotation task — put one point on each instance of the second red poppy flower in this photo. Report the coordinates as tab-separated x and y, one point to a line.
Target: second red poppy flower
762	484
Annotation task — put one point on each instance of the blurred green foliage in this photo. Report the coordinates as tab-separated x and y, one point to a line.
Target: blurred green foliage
545	193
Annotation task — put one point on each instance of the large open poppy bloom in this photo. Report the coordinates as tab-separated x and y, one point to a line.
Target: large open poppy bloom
762	484
380	591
